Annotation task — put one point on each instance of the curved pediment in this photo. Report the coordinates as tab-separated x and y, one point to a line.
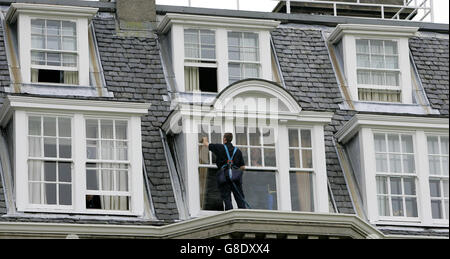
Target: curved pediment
256	95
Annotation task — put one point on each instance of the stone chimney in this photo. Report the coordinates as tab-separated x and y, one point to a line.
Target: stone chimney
136	17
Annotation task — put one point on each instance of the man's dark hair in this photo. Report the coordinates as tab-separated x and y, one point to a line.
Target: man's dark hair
228	137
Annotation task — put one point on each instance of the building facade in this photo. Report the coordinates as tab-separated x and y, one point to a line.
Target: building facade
342	122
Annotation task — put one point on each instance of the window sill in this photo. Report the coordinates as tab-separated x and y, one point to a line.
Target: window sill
395	108
73	212
409	224
60	90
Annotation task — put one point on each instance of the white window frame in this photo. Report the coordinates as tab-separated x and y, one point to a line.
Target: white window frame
399	175
18	108
174	24
365	125
242	63
436	177
282	170
24	13
347	34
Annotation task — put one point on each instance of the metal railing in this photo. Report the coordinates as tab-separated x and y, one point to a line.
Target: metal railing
423	8
417	10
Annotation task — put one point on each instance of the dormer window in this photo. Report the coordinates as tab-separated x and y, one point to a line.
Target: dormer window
54	52
53	43
376	62
217	51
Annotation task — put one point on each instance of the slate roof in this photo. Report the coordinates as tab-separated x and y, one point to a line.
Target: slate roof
309	76
133	71
431	56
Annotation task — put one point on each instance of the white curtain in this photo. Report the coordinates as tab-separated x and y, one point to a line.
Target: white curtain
35	188
34	75
191	79
303	182
379	95
71	77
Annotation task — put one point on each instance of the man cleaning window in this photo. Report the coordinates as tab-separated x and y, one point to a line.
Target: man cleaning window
228	157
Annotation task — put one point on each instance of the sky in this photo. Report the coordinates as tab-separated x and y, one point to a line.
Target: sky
441	7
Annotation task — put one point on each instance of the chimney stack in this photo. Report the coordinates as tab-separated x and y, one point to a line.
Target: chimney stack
136	17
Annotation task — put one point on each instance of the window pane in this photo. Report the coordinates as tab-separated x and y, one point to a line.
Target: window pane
394	143
392	62
408	164
65	172
363	60
65	128
435	188
49	126
241	135
378	78
121	150
38	58
362	46
377	61
122	181
382	185
251	70
107	129
38	26
69	28
65	148
34	170
293	138
390	48
107	150
364	77
445	165
433	145
69	43
50	171
260	189
50	194
35	193
444	145
396	186
53	43
397	207
255	137
294	157
407	144
37	42
269	137
255	156
50	147
381	163
436	209
302	195
91	128
380	142
69	60
306	138
92	177
269	157
376	47
121	130
92	147
107	179
34	147
307	161
435	165
410	186
210	198
65	194
392	78
383	206
395	163
54	59
411	207
53	27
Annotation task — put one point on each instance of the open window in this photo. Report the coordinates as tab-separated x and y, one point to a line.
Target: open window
200	69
